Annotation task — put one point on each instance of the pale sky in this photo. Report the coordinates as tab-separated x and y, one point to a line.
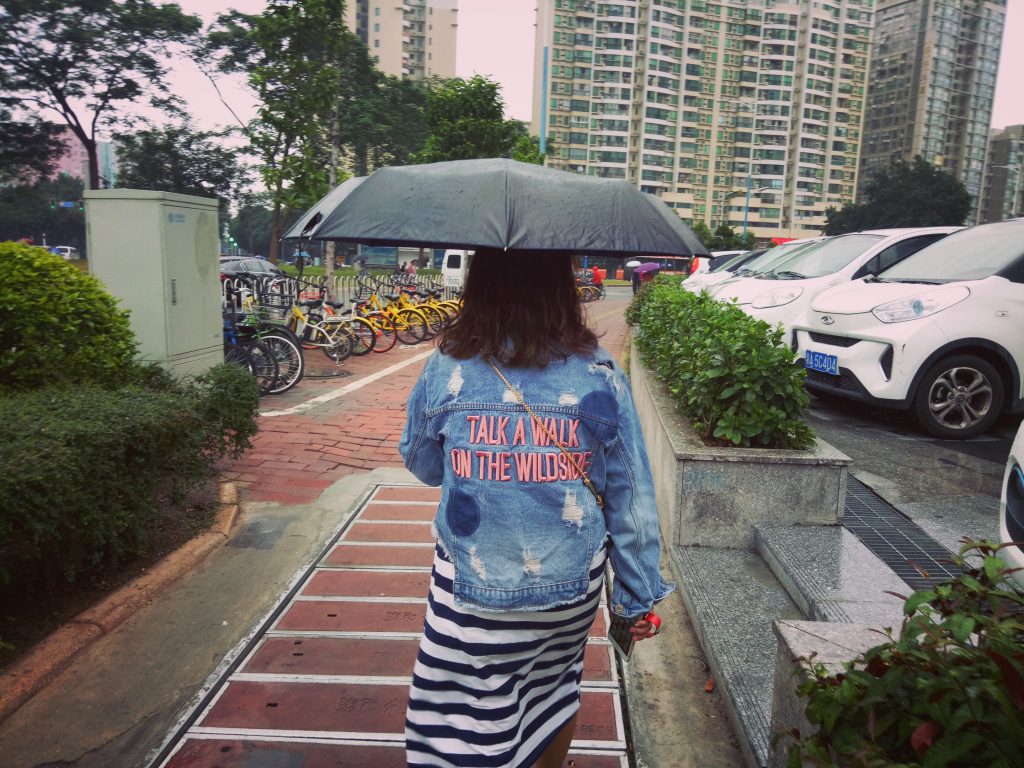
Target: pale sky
496	39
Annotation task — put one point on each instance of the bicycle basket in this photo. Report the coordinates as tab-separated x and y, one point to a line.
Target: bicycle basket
273	308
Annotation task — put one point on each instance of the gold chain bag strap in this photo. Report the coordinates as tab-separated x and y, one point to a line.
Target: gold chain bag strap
565	451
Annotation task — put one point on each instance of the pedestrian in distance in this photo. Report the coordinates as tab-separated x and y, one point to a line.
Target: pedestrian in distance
636	282
529	427
400	270
412	269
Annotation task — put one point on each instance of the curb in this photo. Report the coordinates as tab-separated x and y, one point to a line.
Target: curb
54	654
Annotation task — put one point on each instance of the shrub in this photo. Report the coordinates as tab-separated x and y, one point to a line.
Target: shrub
729	373
948	692
82	468
57	324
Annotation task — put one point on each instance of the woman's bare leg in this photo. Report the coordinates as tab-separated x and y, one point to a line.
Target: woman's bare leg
554	755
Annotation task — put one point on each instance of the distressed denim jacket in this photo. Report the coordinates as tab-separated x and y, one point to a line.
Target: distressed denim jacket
515	517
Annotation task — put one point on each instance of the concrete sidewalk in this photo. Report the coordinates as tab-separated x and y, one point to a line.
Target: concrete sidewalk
292	644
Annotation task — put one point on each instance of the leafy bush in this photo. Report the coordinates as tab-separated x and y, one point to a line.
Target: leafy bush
82	468
729	373
948	692
57	324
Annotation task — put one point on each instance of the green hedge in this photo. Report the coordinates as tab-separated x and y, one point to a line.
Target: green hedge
57	324
730	374
947	692
82	468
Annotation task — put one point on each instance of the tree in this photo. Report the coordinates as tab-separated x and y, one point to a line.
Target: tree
25	212
291	54
179	159
703	232
86	60
915	194
28	148
252	225
466	120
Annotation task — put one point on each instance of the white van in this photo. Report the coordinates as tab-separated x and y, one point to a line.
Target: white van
454	268
66	252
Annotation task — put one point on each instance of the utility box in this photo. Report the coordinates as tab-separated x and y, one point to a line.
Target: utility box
156	252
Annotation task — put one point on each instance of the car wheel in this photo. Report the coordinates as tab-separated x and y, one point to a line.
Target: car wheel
958	397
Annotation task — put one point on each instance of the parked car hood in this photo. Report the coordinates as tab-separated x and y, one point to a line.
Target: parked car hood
746	289
859	297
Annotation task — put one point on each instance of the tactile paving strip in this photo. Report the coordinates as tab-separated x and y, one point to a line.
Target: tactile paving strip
325	681
895	540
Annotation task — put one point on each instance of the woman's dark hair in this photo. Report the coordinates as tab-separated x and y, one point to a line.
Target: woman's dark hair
521	308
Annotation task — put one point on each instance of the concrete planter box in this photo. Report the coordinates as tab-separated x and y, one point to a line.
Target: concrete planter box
713	497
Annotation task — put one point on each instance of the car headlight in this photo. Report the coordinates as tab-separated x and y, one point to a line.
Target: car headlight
923	305
777	298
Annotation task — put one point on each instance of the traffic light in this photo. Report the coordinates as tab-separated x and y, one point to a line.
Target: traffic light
81	205
53	204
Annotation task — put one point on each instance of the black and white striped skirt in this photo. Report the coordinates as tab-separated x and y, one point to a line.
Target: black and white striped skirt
493	689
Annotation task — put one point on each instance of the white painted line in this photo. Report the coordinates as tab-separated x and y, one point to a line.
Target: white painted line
325	633
342	391
401	503
376	568
363	742
264	677
328	737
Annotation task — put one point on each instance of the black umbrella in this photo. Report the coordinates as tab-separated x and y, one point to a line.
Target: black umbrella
311	220
505	204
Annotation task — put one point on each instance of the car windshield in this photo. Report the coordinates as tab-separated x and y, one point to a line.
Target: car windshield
734	262
774	256
972	254
826	257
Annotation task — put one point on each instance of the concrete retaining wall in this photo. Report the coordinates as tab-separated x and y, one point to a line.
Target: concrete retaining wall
712	496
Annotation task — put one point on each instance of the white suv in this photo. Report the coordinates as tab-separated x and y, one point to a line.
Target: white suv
785	292
941	333
1011	509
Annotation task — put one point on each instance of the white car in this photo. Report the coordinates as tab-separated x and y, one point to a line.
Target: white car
940	334
701	265
762	263
1011	508
784	293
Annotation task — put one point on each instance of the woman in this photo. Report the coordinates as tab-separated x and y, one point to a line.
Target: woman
522	536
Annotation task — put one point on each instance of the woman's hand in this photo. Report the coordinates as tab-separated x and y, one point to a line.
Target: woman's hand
646	626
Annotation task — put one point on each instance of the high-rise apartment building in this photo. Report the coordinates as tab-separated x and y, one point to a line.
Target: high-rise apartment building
701	102
1002	194
414	39
932	85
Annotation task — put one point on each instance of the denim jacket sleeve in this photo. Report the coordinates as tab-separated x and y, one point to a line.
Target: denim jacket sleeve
422	452
631	515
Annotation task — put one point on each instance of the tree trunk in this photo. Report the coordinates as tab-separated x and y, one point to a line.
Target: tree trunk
275	228
93	182
332	180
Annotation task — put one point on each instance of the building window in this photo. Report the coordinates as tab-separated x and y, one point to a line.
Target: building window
376	27
376	11
376	43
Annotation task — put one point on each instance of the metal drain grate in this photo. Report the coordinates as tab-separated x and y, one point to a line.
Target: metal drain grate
894	539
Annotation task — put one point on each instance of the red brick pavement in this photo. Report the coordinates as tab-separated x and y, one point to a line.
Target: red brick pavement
297	455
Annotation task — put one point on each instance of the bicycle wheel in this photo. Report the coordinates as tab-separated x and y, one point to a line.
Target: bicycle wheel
288	354
343	341
435	318
412	326
365	336
236	354
384	328
263	365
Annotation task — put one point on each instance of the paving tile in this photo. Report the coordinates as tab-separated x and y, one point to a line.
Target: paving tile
233	753
368	584
397	532
375	657
368	555
359	708
385	511
324	616
407	493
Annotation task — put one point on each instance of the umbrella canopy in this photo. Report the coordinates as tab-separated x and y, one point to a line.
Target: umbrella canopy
312	219
647	268
633	263
505	204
